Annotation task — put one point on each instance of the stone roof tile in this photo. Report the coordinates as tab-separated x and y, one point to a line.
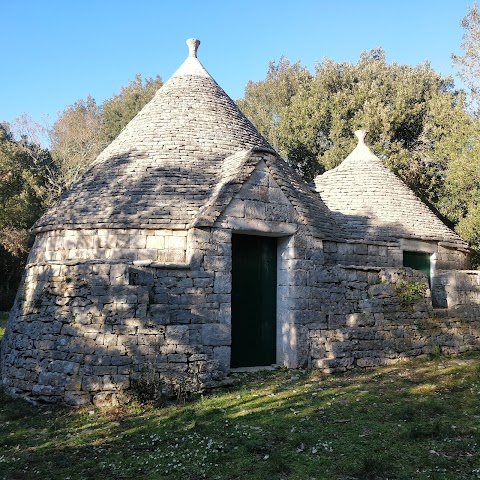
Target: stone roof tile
164	163
179	163
374	204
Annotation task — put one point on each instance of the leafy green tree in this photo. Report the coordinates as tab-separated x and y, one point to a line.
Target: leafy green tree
84	129
406	109
460	198
119	109
265	100
22	189
468	64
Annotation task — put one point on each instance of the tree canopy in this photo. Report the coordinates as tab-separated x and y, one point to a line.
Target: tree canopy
119	109
84	129
468	64
418	123
22	194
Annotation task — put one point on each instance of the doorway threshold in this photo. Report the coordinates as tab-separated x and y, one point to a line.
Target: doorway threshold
254	369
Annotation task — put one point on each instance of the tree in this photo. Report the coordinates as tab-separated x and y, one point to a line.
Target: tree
76	140
406	110
22	188
468	64
461	193
119	109
84	129
265	100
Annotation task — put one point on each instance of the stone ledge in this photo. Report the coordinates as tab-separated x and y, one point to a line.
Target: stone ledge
137	263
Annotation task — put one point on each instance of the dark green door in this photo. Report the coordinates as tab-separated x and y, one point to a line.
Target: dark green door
254	300
418	261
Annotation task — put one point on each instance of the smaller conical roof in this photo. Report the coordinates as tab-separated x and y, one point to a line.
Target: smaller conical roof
372	203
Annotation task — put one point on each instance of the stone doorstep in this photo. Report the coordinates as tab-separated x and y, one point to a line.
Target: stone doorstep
255	369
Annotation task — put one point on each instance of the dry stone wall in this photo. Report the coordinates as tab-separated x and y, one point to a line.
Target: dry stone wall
459	290
168	246
372	316
87	332
390	254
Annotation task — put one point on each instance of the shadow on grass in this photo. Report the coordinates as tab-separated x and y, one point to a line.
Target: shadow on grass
414	420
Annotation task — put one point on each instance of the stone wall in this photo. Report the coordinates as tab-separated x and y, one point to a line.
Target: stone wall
84	332
390	254
110	244
103	311
372	316
458	289
375	254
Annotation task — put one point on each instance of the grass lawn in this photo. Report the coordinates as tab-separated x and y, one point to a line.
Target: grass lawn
416	420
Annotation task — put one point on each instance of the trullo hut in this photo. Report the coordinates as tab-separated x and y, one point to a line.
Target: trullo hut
190	248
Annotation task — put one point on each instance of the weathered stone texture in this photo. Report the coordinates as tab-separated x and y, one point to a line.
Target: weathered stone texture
166	246
129	279
381	324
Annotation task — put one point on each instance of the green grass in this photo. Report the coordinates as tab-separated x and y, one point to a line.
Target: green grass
3	322
415	420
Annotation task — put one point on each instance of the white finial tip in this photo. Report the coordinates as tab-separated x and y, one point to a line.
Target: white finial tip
193	44
361	134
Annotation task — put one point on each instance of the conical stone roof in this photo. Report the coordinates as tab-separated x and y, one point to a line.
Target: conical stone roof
163	165
373	204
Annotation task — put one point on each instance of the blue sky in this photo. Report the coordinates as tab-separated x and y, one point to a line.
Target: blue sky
56	52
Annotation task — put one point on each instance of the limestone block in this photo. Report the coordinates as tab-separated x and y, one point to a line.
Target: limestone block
47	391
222	283
172	256
236	208
177	334
149	254
278	212
360	249
177	358
155	242
120	358
176	242
76	399
254	209
380	291
106	241
217	263
132	240
369	362
119	274
61	366
129	254
52	379
216	334
203	282
336	321
317	349
221	356
105	399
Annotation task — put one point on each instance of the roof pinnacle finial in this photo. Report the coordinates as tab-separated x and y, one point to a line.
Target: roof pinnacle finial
361	134
193	44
